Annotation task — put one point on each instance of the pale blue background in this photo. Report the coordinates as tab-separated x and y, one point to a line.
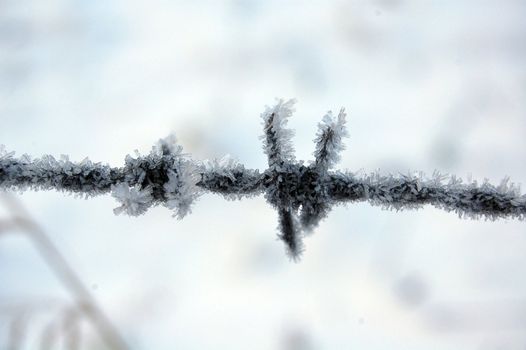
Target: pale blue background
427	85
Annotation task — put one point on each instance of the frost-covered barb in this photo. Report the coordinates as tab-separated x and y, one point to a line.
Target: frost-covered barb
277	140
301	194
329	145
329	140
164	176
291	187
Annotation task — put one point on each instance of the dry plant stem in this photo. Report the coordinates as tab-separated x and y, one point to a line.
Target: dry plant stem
17	331
54	259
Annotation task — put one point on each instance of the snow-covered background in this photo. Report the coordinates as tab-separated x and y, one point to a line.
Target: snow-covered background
427	85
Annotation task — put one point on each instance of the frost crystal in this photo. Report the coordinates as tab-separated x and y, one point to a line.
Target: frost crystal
181	189
135	201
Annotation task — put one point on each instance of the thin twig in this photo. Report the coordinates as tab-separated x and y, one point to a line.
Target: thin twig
70	280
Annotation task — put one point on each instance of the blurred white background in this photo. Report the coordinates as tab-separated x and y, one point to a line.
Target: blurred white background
427	85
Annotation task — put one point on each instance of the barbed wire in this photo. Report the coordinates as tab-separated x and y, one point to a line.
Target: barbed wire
302	194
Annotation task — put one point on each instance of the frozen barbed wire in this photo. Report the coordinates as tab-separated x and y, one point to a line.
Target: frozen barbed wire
165	176
302	194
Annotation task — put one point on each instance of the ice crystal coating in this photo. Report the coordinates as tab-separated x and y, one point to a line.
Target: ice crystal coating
229	178
301	194
446	192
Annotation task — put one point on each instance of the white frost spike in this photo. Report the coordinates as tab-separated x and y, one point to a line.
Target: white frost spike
329	140
4	154
134	201
181	189
277	140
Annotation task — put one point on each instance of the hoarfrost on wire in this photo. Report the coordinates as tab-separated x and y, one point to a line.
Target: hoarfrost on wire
302	194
